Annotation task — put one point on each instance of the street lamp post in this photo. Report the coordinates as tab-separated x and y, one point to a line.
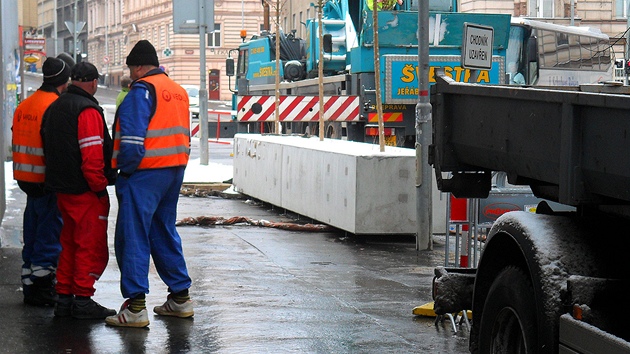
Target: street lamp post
75	32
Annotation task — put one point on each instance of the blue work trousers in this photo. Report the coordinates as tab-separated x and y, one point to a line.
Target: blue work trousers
145	227
41	227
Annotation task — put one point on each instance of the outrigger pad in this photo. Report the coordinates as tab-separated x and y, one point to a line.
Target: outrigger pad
453	290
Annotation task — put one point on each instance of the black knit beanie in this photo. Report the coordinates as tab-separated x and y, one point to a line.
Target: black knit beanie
56	72
67	58
143	53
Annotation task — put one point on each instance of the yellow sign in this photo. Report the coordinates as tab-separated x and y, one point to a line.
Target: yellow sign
31	59
390	140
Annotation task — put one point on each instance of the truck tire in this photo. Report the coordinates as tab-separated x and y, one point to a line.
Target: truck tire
508	321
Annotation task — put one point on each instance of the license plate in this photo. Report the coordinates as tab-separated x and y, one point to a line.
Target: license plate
390	140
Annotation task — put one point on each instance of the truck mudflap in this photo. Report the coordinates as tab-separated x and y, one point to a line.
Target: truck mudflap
581	337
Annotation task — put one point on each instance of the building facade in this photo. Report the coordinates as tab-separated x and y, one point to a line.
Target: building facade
27	15
114	26
59	21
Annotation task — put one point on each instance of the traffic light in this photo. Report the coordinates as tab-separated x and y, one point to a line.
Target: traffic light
628	67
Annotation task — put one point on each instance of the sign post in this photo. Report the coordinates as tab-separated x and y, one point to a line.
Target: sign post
199	19
424	133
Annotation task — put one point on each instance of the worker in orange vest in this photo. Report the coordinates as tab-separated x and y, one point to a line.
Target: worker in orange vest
151	150
42	220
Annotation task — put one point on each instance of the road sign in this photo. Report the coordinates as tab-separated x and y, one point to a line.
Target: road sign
71	28
477	46
106	59
186	16
34	43
31	59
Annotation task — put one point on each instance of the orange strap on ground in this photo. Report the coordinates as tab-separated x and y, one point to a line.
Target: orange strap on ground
219	220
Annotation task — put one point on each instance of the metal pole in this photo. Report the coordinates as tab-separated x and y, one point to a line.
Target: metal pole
277	122
107	41
74	29
627	45
54	35
572	11
203	91
21	66
377	79
320	69
424	236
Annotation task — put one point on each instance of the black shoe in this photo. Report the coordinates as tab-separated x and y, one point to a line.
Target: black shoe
90	310
41	293
63	308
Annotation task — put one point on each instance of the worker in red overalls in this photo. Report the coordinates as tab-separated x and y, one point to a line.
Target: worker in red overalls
77	147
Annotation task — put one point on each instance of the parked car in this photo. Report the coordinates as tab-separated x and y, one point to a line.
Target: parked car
193	99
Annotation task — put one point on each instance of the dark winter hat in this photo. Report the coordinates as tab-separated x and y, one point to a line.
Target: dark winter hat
67	58
143	53
84	72
56	72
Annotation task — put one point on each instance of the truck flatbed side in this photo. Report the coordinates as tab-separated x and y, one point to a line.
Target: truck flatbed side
571	147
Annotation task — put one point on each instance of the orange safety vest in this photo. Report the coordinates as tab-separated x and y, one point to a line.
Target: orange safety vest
28	149
167	143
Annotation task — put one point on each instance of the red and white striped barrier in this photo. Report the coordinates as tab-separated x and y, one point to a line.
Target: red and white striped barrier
297	108
213	116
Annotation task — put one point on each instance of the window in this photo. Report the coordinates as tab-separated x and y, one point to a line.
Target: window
621	8
242	66
214	37
300	25
168	35
542	8
162	36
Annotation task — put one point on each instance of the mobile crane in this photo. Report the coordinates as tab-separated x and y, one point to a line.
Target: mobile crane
348	66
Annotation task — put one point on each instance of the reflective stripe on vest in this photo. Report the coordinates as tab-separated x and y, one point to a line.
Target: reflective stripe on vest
167	141
27	146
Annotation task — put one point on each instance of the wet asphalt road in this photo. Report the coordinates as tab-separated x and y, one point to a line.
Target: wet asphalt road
256	290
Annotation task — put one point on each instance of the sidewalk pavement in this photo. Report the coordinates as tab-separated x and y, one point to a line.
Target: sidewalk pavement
255	290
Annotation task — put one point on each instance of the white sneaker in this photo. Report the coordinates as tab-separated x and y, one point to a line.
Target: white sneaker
126	318
171	308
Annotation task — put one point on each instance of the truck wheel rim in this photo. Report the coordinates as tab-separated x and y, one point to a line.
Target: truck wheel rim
507	334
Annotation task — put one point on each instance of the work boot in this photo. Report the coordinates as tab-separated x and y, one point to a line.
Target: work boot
63	308
84	308
42	292
127	318
172	308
